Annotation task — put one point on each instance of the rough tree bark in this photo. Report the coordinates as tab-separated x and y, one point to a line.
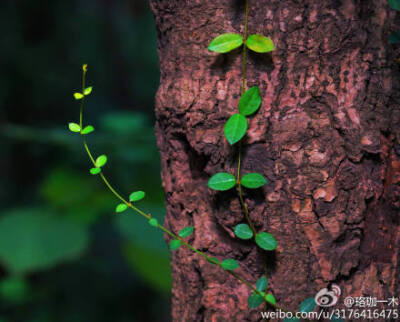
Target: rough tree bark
325	138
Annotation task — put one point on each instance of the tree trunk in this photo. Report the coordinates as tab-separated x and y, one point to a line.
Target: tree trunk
324	137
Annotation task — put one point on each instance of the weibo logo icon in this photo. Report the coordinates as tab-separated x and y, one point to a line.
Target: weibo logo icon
326	298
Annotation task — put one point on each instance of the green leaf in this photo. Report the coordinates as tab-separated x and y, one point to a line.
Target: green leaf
137	195
270	298
34	239
87	90
174	244
235	128
101	160
78	96
243	231
253	180
229	264
250	101
255	300
222	181
266	241
121	207
307	305
13	289
213	260
88	129
95	171
186	231
153	222
225	43
394	38
262	283
73	127
394	4
260	44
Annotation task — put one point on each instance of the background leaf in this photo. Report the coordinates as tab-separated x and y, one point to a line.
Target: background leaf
235	128
243	231
35	240
394	4
253	180
250	101
260	43
221	181
394	37
225	43
229	264
266	241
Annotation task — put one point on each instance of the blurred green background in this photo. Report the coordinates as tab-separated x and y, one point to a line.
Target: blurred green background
64	254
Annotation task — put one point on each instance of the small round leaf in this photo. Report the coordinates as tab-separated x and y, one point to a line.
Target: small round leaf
307	305
250	101
235	128
270	298
260	44
186	231
225	43
174	244
121	207
253	180
153	222
262	283
73	127
222	181
95	171
255	300
229	264
101	160
87	90
137	195
88	129
78	96
243	231
266	241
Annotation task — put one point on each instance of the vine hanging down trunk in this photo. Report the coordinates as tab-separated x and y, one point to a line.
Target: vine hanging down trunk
324	138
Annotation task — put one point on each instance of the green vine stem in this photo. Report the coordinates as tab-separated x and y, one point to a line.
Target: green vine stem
82	131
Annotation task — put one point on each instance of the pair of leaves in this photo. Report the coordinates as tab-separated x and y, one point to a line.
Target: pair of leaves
223	181
86	91
176	243
74	127
227	42
236	126
100	162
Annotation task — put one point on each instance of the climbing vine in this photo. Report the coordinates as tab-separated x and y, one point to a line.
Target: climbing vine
234	131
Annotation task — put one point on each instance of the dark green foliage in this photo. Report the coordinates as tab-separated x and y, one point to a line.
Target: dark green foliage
262	283
266	241
255	300
307	305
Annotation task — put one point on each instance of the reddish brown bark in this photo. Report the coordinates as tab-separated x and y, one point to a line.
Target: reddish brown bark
325	138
